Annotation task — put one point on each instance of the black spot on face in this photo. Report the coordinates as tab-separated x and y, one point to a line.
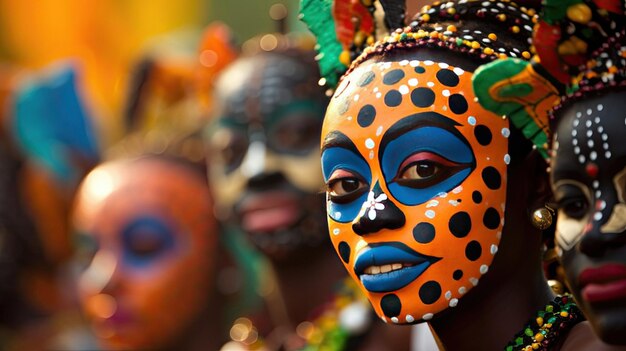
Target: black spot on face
477	197
391	305
460	224
424	233
430	292
492	178
458	104
422	97
491	219
393	77
457	275
473	251
366	116
366	79
483	135
393	98
344	251
448	78
420	70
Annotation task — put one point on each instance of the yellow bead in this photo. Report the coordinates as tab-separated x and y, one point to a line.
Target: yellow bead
451	11
526	55
475	45
564	314
344	58
451	28
580	13
535	346
370	40
488	51
492	36
539	337
502	17
502	56
515	29
359	38
425	17
539	321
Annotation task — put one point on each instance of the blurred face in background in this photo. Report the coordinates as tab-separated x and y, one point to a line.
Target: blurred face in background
265	167
148	237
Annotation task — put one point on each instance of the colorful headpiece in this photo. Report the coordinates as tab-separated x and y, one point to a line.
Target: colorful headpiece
435	26
579	46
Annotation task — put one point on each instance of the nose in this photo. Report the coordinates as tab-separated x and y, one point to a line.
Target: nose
377	213
100	274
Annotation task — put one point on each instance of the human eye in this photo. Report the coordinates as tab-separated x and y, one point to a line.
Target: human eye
345	186
572	201
424	169
146	238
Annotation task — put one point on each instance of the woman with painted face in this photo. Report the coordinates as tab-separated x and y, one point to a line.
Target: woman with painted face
265	174
146	229
587	161
430	196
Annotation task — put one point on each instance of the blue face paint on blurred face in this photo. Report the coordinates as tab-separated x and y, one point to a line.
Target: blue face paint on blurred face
146	239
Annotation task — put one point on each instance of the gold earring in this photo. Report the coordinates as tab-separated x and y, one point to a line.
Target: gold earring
542	218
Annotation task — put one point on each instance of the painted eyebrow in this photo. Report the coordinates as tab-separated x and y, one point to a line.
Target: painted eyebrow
338	139
419	120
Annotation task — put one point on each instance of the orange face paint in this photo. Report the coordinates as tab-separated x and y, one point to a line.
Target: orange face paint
416	176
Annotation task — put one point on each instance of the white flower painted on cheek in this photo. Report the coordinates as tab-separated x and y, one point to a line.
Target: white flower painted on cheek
371	205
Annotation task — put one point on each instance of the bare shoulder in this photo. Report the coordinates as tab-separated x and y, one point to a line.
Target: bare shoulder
582	338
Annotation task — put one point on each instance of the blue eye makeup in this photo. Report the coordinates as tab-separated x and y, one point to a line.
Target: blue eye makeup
420	160
347	176
146	239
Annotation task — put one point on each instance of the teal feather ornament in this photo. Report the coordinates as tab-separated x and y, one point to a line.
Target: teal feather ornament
317	15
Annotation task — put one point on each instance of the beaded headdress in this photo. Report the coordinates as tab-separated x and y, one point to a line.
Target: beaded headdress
466	26
580	50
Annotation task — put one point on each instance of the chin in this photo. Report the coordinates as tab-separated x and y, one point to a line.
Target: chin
609	324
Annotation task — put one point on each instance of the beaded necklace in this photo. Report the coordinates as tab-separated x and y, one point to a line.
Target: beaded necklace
338	323
547	328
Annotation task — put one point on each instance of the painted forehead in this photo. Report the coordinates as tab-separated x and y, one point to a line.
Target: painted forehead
376	94
590	131
260	86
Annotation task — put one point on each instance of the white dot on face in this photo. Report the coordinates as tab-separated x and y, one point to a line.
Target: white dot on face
413	82
454	302
507	159
369	143
403	62
579	114
378	95
403	89
474	281
446	92
483	269
336	231
589	112
337	215
394	319
577	150
589	133
607	154
428	63
471	120
576	122
588	124
372	155
458	71
414	63
448	295
593	155
581	158
605	137
356	97
430	214
595	184
600	129
506	132
443	65
598	194
410	318
379	130
430	84
494	249
590	143
462	290
596	120
597	216
427	316
574	142
574	132
600	107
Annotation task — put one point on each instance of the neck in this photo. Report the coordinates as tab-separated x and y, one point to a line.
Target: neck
494	311
303	286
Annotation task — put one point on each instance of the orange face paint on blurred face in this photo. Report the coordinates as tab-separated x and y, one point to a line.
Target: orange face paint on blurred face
153	240
416	177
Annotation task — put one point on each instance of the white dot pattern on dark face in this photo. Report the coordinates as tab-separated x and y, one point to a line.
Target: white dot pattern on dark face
580	130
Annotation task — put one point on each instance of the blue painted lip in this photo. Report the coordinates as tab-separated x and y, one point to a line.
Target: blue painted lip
389	253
